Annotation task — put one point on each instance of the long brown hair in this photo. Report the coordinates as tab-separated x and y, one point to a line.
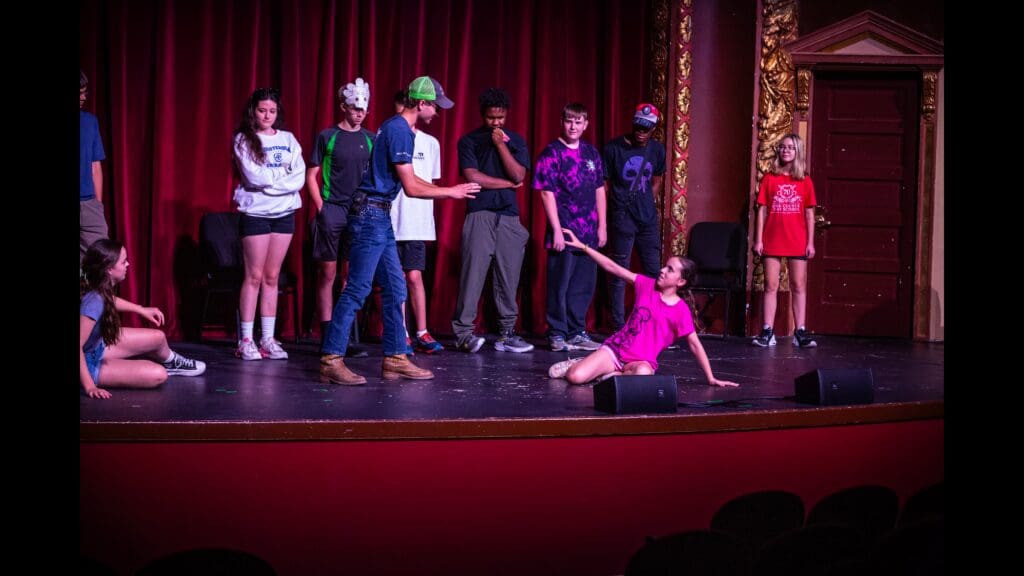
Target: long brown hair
248	123
688	272
101	256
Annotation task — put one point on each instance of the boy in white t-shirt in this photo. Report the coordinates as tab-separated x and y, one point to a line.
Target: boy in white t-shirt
413	222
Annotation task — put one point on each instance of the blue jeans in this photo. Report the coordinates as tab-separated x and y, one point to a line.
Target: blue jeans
572	276
625	232
372	256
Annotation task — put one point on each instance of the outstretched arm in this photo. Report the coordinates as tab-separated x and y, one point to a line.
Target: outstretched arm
603	261
85	328
151	313
418	188
702	359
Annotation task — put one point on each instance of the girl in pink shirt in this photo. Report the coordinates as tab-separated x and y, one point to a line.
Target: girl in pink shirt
659	317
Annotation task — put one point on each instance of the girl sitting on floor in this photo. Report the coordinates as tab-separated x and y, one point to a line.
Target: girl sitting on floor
107	347
659	317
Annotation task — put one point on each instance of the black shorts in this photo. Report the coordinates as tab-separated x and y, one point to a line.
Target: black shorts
258	225
330	233
412	254
801	257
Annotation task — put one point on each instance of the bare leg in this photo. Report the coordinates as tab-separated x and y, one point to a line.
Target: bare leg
640	368
326	273
121	373
798	290
595	365
418	297
117	371
254	253
772	267
276	252
146	342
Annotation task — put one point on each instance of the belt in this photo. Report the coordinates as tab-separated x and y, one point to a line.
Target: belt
384	205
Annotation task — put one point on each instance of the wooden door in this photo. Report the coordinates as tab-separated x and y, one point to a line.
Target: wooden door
864	148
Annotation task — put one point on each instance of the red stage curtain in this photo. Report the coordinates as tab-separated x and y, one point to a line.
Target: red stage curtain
168	80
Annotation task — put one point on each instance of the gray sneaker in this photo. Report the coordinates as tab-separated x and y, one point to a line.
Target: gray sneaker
470	343
557	343
512	342
582	341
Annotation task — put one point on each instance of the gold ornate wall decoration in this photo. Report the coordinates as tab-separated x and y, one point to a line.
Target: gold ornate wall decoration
803	89
679	152
929	95
777	102
658	88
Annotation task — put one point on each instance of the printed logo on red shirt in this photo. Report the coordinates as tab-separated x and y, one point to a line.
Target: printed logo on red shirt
786	200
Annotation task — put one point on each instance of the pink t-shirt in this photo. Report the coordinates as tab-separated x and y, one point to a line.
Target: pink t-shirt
785	227
652	325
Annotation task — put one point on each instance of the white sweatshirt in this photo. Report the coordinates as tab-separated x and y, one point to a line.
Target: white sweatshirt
270	189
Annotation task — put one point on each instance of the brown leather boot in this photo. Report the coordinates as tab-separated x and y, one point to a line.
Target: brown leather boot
399	366
334	371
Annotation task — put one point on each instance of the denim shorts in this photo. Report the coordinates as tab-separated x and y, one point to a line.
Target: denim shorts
93	359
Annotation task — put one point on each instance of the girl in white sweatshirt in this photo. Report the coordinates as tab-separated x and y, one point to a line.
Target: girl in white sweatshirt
272	174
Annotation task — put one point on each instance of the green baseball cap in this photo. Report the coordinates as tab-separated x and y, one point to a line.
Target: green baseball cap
426	88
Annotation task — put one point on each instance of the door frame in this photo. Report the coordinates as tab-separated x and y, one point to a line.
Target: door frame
871	42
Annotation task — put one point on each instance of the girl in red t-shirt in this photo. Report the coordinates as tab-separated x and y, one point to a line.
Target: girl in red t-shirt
785	229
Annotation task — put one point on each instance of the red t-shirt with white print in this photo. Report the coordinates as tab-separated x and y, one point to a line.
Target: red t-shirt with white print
785	227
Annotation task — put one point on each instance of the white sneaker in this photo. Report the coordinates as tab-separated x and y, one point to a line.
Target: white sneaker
271	348
247	350
559	369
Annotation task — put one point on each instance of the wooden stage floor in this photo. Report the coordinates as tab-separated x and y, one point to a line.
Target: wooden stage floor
501	394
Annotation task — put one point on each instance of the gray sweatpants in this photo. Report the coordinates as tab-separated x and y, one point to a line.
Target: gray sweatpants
489	237
91	225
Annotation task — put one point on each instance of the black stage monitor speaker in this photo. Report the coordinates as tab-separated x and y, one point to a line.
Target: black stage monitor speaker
831	386
636	394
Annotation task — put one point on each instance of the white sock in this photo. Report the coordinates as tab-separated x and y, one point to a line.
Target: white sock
804	328
267	325
420	333
171	357
247	330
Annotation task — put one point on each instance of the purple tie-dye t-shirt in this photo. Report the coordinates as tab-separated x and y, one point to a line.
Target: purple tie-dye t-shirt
573	175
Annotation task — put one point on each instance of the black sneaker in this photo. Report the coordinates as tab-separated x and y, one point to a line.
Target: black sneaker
803	339
765	338
181	366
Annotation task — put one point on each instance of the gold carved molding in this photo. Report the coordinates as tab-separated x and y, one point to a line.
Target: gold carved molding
929	95
676	192
777	103
803	89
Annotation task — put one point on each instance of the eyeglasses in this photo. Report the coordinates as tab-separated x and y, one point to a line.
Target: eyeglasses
793	148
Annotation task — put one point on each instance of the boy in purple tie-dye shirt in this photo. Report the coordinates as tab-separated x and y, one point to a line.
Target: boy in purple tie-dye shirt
570	178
